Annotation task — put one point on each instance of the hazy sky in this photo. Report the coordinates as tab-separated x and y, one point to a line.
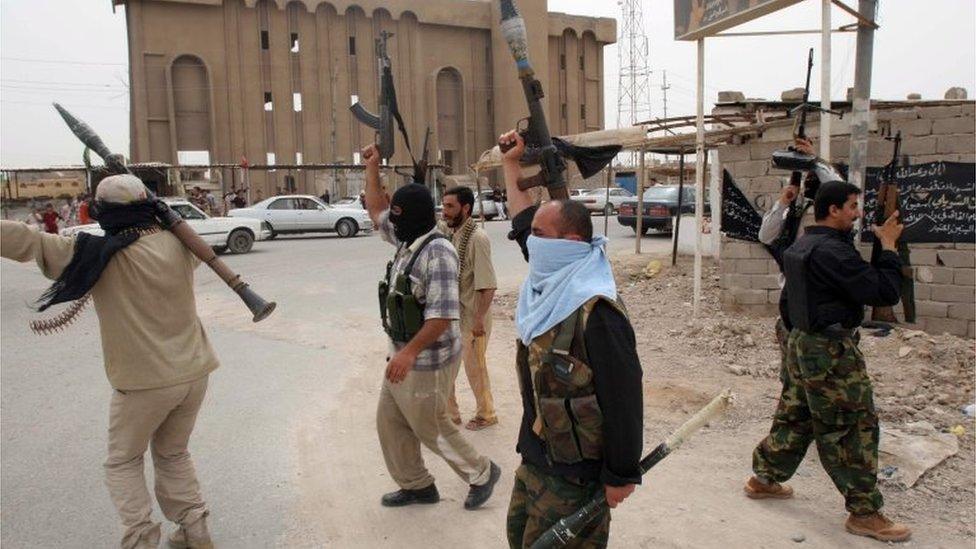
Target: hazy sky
74	52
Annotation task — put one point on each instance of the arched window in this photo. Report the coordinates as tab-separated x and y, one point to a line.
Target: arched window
191	104
450	118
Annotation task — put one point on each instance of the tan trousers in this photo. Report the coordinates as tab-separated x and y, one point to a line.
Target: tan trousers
161	419
474	351
414	412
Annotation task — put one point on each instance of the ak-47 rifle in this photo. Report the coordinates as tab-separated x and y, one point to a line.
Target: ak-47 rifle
389	112
383	122
170	220
799	162
888	202
539	148
569	527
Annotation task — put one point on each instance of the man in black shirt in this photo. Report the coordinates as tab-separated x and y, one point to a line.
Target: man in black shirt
827	395
579	374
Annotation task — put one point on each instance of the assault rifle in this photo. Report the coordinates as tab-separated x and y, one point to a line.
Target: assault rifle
383	122
792	159
561	533
539	148
887	203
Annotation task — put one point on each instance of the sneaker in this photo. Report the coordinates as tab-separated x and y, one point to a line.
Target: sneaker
193	536
478	495
408	497
757	489
877	526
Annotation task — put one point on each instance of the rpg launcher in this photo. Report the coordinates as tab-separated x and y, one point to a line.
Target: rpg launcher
539	148
171	220
560	534
818	171
888	202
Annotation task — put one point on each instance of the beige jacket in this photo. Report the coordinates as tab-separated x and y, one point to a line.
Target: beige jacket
151	335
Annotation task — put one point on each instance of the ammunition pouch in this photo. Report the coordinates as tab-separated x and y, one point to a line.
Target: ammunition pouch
567	407
401	313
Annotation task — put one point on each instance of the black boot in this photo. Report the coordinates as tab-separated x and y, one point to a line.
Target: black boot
478	495
408	497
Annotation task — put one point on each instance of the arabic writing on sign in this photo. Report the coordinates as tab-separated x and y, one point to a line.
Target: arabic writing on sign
937	201
739	219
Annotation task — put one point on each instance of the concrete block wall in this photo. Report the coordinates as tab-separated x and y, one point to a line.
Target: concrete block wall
945	278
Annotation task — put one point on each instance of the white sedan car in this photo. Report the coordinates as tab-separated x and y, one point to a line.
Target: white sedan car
293	214
595	200
222	233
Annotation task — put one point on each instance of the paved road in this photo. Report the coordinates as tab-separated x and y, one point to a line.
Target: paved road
274	375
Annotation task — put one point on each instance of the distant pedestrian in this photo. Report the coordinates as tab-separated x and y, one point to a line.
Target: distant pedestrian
66	214
49	218
325	197
83	217
240	199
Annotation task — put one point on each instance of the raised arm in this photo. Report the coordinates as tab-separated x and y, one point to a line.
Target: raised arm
376	200
518	199
52	253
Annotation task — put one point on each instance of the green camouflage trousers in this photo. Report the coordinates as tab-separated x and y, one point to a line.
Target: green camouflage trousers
540	500
827	398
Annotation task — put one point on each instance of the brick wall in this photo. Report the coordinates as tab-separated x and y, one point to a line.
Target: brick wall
945	278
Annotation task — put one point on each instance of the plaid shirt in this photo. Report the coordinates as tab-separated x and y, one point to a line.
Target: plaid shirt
434	281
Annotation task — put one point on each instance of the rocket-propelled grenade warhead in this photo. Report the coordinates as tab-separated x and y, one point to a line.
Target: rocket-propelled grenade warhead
513	29
84	132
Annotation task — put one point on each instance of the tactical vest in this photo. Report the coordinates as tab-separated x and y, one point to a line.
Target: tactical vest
567	415
401	312
801	304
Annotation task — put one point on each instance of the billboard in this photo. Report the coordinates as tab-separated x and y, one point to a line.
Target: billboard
694	19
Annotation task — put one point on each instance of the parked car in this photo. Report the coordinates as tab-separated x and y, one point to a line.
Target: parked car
294	214
660	207
351	202
222	233
487	198
595	200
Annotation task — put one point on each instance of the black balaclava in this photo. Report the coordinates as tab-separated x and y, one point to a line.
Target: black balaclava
412	212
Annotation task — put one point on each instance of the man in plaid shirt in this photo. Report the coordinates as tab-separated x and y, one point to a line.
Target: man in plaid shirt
413	405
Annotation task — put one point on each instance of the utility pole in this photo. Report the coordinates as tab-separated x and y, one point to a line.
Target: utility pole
862	94
634	83
333	78
664	90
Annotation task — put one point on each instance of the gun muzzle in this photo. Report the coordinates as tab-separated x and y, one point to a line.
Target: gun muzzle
258	306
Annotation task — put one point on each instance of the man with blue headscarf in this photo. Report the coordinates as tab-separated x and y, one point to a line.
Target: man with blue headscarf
579	374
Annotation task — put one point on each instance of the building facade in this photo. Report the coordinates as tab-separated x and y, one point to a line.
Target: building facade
271	81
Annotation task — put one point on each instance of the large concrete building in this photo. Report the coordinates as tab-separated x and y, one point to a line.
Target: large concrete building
272	80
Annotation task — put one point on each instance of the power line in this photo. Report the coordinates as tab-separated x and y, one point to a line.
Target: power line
62	62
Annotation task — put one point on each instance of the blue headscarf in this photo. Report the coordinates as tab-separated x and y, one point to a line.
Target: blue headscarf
563	275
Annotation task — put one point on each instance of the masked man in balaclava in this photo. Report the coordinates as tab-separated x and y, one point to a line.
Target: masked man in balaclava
579	374
156	353
420	311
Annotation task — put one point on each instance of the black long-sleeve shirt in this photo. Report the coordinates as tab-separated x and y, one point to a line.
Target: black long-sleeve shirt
617	376
840	282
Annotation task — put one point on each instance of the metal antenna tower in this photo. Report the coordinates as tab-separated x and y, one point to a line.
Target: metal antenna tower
634	85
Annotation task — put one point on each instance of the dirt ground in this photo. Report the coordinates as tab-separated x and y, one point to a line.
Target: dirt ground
692	499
